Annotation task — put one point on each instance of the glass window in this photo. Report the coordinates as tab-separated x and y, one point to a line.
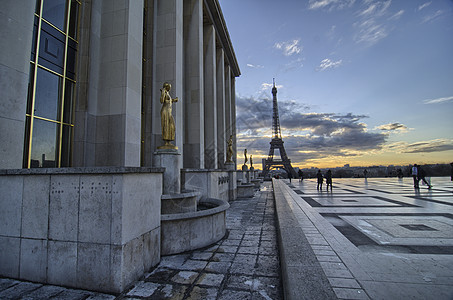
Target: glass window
66	146
68	102
54	11
48	95
44	143
73	19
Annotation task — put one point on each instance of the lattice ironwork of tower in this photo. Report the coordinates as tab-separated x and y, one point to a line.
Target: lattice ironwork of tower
277	143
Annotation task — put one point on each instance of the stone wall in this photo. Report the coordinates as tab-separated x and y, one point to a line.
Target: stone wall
96	228
211	183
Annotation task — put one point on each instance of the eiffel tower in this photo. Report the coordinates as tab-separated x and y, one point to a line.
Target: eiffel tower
277	143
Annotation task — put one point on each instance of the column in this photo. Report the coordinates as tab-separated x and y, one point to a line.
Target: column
16	30
228	112
233	111
193	85
210	98
168	65
220	95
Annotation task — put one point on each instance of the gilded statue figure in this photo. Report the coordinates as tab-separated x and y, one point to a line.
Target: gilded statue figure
251	162
230	150
166	118
245	156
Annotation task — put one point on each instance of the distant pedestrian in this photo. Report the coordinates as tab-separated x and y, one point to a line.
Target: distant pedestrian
329	179
451	165
365	173
414	174
301	175
320	180
421	176
289	176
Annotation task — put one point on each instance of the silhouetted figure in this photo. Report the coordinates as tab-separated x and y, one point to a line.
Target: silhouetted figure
301	174
329	179
320	179
289	176
451	165
399	173
365	173
421	176
414	174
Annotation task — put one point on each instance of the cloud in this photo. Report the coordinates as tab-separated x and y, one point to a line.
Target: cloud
330	4
328	64
436	145
307	135
370	32
393	127
432	16
438	100
424	5
289	48
255	66
397	15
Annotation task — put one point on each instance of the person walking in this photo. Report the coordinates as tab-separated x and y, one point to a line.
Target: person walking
451	165
301	175
329	180
320	180
290	176
414	174
421	176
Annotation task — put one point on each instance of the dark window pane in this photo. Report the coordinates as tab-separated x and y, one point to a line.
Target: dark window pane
26	142
30	89
44	143
38	7
54	11
73	19
35	38
51	49
71	59
48	95
66	146
68	102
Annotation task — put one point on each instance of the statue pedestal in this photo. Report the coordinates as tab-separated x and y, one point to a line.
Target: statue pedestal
252	173
169	159
245	174
229	166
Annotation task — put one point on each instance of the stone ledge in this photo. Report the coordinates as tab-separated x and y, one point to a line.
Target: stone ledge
89	170
302	275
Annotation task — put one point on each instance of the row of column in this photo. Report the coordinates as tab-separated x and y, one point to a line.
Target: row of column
188	57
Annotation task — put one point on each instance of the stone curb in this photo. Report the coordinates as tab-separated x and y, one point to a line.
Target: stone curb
302	275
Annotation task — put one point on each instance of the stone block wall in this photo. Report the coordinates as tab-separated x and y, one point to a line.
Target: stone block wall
211	183
96	229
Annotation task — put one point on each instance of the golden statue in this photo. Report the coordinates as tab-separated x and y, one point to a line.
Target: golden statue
245	156
166	118
230	150
251	162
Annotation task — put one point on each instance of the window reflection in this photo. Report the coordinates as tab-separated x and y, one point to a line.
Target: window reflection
48	94
54	12
66	146
44	144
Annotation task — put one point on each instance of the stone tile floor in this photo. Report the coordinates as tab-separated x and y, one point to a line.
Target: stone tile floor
379	238
244	265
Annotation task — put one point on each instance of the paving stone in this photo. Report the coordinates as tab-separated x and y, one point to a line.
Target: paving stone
185	277
241	282
70	294
228	249
199	293
201	255
218	267
344	293
210	279
16	291
344	283
248	250
235	295
170	291
143	289
44	292
6	283
197	265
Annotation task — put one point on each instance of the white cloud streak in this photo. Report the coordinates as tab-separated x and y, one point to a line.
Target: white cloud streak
424	5
438	100
255	66
330	4
432	16
329	64
289	48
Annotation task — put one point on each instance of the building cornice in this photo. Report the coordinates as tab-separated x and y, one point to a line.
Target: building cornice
215	13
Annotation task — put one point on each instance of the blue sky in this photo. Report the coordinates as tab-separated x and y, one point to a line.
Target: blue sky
359	82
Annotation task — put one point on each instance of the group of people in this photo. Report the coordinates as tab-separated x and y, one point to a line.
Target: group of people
328	177
419	174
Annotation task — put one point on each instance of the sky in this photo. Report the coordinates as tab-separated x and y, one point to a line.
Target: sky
360	82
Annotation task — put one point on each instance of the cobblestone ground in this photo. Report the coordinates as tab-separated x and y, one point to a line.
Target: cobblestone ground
244	265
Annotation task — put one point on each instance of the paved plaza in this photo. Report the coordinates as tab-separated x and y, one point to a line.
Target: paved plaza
378	238
366	239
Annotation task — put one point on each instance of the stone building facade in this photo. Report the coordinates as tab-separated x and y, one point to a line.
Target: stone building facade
80	83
